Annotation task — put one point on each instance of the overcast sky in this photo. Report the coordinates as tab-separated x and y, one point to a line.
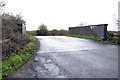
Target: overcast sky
61	14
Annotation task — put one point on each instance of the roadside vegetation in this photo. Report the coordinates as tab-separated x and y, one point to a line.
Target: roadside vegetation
16	60
17	48
86	37
110	39
43	31
12	39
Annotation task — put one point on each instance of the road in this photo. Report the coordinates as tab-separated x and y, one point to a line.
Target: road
67	57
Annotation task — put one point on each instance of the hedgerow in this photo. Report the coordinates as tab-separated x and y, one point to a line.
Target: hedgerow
16	60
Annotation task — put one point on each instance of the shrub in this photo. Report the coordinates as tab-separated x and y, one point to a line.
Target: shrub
16	60
16	42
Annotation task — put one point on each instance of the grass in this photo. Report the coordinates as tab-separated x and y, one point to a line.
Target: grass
0	70
16	60
86	37
95	38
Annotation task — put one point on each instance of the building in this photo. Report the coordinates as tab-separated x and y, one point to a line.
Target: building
22	28
96	30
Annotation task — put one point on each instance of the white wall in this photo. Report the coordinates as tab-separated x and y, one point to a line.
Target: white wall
23	29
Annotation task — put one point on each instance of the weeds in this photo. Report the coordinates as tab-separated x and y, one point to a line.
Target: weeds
16	60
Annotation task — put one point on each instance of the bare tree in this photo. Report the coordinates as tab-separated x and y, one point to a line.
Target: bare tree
117	22
82	24
2	5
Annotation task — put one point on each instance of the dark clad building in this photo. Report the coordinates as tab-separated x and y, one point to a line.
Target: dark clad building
96	30
21	28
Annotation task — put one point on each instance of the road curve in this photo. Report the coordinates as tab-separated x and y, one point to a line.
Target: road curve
67	57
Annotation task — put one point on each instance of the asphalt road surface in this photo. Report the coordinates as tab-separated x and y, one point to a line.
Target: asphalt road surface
67	57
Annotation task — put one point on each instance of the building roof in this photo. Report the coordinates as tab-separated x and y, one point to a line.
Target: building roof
89	25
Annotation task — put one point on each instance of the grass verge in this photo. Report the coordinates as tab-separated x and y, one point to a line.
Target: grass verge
95	38
16	60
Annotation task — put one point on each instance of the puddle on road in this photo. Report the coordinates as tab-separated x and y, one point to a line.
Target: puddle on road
49	67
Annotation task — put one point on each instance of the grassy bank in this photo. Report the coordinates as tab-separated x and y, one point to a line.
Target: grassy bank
95	38
86	37
16	60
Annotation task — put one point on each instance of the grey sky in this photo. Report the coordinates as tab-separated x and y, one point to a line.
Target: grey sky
61	14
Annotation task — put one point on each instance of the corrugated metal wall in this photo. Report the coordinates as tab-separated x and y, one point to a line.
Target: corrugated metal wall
96	30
